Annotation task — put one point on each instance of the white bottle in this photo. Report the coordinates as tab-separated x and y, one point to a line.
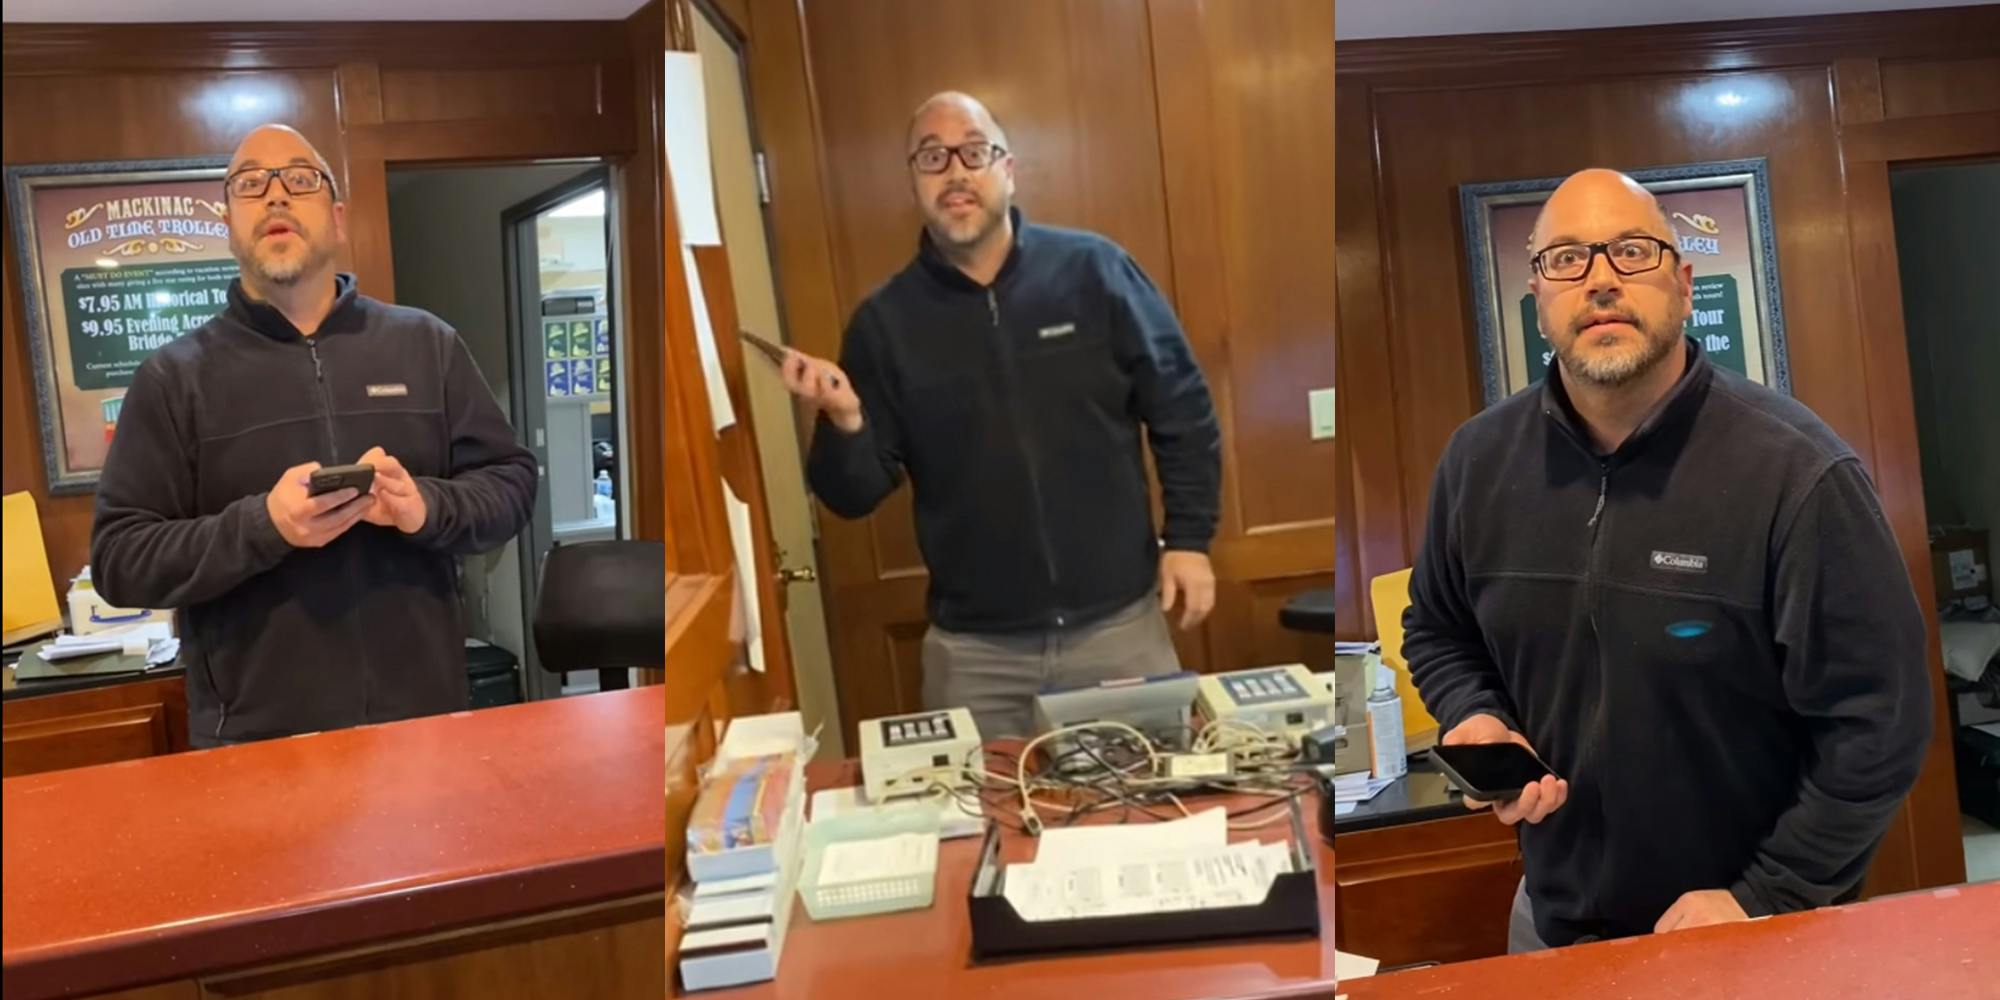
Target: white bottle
1385	729
602	484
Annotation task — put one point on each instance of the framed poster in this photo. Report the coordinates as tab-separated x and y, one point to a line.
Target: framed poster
1721	213
116	259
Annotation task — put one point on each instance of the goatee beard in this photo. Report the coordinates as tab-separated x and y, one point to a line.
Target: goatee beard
1610	373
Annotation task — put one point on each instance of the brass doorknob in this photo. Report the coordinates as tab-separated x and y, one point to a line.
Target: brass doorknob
802	574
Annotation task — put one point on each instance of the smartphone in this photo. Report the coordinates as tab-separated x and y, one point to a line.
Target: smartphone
340	477
768	349
1490	772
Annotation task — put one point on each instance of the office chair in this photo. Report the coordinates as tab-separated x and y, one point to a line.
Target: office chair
602	607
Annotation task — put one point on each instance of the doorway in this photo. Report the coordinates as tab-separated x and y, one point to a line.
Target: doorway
1945	217
484	248
740	199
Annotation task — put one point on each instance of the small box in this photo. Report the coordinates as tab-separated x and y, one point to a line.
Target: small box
1959	567
90	613
1350	712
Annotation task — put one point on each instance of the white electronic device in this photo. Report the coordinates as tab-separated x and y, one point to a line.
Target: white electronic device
906	754
1285	701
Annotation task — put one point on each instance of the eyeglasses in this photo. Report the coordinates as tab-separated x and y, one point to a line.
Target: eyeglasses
1628	255
975	156
252	182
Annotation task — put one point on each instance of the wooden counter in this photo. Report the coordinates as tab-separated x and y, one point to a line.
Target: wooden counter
517	848
1937	944
928	953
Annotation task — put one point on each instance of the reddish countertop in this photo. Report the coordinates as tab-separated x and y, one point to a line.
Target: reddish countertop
1941	944
157	869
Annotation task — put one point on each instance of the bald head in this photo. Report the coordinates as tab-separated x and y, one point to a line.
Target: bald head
1594	198
277	145
952	111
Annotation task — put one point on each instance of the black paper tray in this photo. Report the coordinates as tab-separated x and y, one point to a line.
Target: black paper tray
1290	908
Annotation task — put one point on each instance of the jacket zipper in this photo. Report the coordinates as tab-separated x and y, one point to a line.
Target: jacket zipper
333	445
326	400
1027	447
1590	736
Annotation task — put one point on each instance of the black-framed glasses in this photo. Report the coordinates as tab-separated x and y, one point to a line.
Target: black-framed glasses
252	182
1628	255
975	156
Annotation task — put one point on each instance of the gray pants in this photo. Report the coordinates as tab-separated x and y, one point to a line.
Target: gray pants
997	676
1521	936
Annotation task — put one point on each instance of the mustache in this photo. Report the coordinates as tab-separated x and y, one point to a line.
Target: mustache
280	218
952	191
1595	316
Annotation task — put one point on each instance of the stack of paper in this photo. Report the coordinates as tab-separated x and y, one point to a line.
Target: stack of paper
154	640
1358	787
1102	871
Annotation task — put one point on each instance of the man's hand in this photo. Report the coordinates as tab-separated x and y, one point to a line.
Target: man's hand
1538	800
1700	909
824	387
397	503
308	522
1189	577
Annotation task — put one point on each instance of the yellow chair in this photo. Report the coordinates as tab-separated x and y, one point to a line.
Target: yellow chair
1391	594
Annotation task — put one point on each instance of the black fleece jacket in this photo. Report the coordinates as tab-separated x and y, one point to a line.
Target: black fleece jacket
1017	409
1709	632
280	640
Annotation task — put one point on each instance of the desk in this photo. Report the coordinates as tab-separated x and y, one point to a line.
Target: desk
928	952
1422	878
92	719
509	852
1936	944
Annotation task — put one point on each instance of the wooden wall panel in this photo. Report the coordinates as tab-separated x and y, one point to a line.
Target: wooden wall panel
425	94
1914	87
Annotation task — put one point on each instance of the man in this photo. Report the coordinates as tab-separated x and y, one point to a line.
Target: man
302	613
1678	588
1010	369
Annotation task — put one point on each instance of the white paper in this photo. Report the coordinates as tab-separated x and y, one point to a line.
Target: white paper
1964	569
762	735
1343	808
721	413
760	882
1079	846
751	616
1989	728
898	855
1238	874
1346	966
684	126
954	820
711	910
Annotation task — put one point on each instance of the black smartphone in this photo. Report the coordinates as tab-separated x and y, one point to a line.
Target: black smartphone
1490	772
340	477
768	349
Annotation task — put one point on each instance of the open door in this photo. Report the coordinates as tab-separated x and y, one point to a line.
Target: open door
763	677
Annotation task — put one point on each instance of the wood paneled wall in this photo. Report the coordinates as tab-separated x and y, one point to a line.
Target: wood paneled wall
1197	135
1418	117
367	95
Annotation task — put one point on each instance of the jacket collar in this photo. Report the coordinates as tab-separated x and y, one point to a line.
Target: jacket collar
267	320
1675	411
938	266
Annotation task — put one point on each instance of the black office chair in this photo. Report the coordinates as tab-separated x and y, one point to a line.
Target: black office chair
1308	611
602	607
